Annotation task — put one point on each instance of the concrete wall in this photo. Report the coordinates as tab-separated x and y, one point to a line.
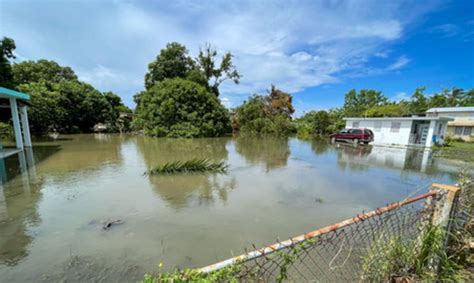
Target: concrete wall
384	135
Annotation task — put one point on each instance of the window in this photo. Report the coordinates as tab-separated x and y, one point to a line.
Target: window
377	126
467	131
395	128
462	131
355	131
355	124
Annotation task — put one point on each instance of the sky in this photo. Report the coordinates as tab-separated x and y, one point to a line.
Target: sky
315	50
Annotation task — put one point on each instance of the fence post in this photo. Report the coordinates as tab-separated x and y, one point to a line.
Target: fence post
443	207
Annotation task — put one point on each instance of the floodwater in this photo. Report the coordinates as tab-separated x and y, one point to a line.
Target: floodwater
55	198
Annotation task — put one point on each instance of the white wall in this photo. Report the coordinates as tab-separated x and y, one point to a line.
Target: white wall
384	135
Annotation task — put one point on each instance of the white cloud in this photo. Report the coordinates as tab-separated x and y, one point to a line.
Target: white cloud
226	102
401	62
446	30
294	45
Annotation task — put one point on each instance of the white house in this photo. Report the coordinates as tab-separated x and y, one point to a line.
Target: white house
463	124
404	131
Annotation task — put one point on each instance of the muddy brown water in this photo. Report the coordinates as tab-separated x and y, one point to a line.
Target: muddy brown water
55	199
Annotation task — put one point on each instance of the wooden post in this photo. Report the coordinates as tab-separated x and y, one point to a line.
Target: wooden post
25	125
444	205
16	123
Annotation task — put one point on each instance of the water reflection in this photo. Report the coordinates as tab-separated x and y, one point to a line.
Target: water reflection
179	190
270	152
80	152
19	196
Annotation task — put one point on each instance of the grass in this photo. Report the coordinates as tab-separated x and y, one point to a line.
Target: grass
189	166
456	150
432	257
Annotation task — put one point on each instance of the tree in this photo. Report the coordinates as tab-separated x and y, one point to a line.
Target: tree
172	62
206	62
41	70
357	103
270	114
389	110
7	45
419	103
321	122
62	103
279	103
181	108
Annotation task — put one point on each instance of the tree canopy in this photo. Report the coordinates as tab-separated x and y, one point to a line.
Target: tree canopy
181	108
174	61
60	102
7	45
269	114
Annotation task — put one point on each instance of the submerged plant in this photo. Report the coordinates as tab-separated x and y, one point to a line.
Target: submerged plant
189	166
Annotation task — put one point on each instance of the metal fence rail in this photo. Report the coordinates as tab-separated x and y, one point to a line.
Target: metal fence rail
334	253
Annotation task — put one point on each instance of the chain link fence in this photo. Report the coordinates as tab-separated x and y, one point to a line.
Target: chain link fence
336	253
347	251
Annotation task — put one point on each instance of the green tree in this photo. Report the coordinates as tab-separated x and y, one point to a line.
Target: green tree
206	61
419	103
181	108
41	70
172	62
7	45
59	102
270	114
389	110
357	103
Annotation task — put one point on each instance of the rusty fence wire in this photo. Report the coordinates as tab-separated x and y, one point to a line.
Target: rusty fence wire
334	253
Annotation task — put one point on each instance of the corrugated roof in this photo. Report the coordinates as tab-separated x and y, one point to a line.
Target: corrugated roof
450	109
13	93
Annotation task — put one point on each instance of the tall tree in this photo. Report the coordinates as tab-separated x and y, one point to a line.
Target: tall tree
419	103
7	45
215	75
357	103
41	70
172	62
181	108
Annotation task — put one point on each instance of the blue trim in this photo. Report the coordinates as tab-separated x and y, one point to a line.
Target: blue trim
14	94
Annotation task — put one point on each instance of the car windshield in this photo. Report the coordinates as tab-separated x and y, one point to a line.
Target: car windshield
345	131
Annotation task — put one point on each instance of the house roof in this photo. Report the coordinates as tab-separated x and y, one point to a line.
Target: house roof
9	93
416	118
450	109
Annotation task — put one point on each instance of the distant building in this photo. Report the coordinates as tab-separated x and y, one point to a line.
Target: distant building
404	131
463	124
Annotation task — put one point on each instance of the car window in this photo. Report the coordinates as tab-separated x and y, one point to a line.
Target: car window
345	131
356	131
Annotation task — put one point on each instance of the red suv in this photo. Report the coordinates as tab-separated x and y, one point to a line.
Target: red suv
354	135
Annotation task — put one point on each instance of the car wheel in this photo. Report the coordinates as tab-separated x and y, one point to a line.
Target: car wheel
333	140
366	142
355	141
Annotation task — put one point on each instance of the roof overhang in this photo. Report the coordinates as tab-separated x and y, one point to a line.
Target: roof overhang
399	119
10	93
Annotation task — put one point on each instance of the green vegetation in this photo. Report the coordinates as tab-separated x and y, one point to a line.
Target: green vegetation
179	100
436	256
181	108
457	150
59	101
190	166
319	123
269	114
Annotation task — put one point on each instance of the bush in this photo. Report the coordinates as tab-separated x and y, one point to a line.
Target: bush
181	108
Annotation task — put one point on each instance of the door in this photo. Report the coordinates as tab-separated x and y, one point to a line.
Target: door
424	133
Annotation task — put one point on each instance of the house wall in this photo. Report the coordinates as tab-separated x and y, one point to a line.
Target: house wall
384	134
461	119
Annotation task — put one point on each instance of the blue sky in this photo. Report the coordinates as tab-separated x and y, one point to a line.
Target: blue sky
316	50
